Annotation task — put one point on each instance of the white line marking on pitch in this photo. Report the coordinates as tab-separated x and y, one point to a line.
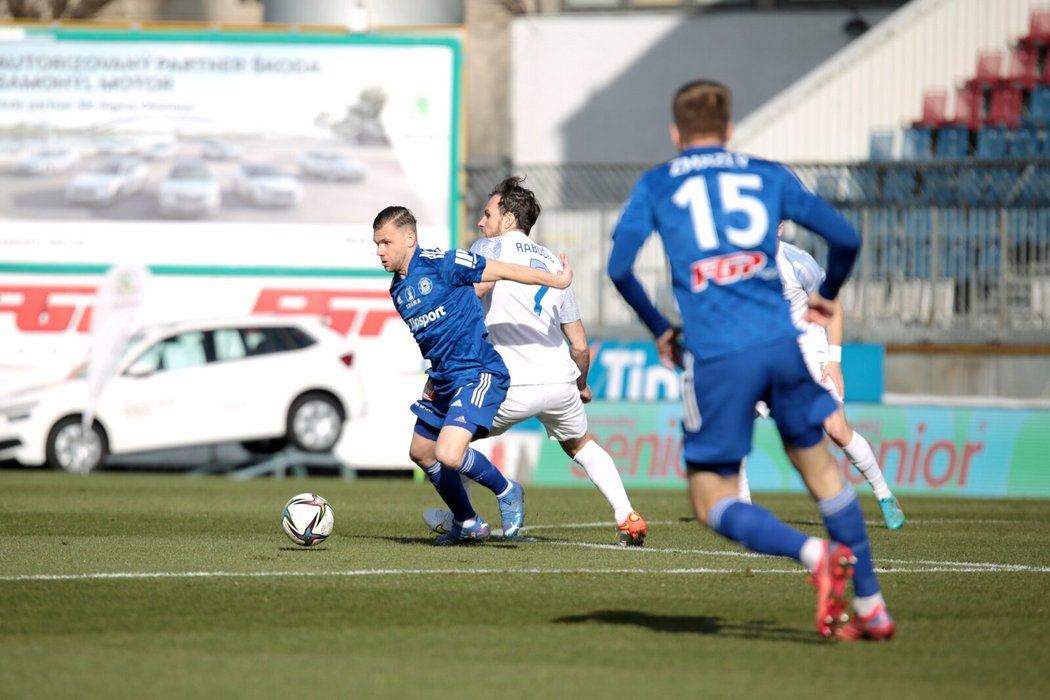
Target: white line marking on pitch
129	575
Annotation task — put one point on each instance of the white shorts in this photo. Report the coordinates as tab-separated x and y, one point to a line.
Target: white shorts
557	406
816	357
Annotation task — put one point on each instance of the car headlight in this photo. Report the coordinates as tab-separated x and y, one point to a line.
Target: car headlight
18	411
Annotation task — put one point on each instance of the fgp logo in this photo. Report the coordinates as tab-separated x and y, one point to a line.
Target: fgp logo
48	309
358	312
727	269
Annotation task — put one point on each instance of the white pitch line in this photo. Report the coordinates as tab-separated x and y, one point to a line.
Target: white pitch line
131	575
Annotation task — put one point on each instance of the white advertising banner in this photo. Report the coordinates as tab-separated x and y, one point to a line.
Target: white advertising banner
242	170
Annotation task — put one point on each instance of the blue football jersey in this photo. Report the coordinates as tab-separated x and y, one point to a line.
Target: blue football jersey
717	213
437	301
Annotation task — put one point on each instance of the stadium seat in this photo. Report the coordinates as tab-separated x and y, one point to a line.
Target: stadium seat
953	143
969	105
991	142
1039	105
862	185
1023	71
989	69
1004	107
918	144
934	109
880	146
1024	143
898	186
939	186
1038	28
1034	186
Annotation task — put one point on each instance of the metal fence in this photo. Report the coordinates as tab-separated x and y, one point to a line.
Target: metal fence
954	252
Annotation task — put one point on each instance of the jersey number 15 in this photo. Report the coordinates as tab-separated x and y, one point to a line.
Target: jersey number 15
738	193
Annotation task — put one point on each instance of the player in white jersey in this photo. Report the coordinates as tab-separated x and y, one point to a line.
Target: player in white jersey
529	328
821	348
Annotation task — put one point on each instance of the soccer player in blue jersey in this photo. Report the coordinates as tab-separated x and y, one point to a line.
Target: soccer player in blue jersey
717	212
433	290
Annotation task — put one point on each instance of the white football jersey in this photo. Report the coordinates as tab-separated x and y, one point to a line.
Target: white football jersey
801	276
524	321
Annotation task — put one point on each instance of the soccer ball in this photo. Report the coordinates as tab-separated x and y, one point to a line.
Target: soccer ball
307	519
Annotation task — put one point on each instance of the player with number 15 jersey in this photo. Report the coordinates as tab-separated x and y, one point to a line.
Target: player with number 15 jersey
717	213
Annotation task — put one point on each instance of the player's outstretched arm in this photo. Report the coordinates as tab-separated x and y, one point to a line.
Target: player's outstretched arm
821	310
496	270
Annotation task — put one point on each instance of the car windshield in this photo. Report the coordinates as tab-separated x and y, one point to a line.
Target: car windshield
112	167
262	170
190	171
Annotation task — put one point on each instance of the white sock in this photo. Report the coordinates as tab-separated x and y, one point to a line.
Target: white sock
744	489
859	452
602	471
866	605
812	551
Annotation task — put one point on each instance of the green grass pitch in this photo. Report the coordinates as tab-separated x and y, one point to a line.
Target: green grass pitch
165	586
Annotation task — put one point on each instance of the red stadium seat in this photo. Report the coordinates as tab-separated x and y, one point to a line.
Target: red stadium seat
1039	27
989	70
1004	108
968	104
1023	71
934	109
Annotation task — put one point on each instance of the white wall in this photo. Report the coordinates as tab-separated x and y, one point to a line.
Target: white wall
596	88
878	81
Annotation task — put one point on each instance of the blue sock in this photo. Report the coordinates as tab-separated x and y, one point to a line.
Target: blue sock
755	528
450	487
844	521
477	466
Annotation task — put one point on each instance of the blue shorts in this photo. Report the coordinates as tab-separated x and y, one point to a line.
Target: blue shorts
718	405
471	403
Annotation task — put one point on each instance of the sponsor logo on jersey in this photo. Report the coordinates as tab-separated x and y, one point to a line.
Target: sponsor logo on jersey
423	320
727	269
456	403
459	419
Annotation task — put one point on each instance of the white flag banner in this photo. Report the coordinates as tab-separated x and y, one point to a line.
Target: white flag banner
114	319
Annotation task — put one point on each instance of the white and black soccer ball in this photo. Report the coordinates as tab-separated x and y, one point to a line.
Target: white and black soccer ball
307	519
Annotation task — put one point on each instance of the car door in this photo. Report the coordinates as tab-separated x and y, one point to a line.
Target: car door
252	369
166	398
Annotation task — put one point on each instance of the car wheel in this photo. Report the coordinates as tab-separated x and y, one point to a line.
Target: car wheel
315	422
70	449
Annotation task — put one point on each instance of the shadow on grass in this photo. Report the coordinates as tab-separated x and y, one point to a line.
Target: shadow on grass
695	624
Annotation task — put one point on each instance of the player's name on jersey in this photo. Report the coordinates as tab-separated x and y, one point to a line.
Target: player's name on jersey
533	249
700	161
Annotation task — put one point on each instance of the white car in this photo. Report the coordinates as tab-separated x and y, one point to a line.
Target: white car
213	149
108	181
266	185
48	160
190	190
329	165
265	381
161	150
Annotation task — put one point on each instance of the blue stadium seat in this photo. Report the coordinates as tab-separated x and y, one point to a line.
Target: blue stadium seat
1024	143
898	186
1034	187
1039	106
953	143
957	262
939	186
880	146
991	142
917	228
918	144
